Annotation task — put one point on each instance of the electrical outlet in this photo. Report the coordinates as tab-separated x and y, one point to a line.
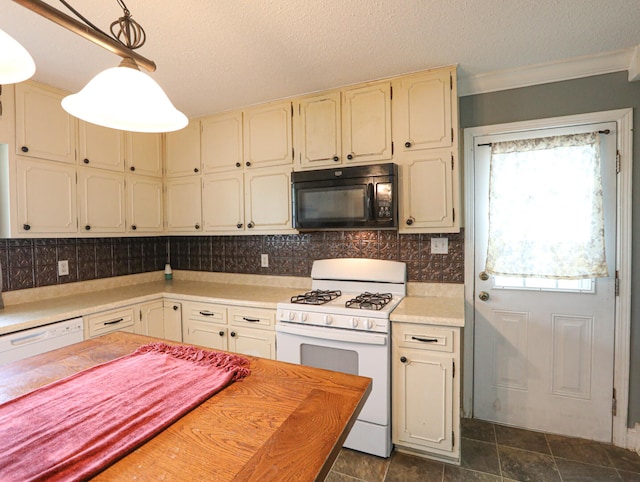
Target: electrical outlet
264	260
439	245
63	268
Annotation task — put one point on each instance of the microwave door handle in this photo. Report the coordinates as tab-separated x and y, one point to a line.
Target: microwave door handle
370	201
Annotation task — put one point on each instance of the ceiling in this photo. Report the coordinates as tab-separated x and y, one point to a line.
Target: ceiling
215	55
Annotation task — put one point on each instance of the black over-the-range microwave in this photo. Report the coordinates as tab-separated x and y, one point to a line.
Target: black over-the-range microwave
359	197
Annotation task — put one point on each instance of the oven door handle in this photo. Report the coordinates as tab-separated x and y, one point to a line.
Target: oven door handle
334	334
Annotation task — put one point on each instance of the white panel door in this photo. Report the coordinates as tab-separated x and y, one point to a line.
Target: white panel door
543	349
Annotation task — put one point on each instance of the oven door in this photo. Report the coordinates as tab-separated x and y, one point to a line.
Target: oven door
354	352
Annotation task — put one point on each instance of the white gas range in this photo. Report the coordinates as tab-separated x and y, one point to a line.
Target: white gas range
343	325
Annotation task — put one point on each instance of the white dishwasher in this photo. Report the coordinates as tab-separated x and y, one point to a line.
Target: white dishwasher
26	343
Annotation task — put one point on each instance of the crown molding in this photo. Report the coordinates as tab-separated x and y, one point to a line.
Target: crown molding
616	61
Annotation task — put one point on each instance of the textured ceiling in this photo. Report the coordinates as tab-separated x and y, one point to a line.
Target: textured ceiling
215	55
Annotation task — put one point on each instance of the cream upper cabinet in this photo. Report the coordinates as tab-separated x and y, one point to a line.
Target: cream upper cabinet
100	147
426	421
101	198
429	192
318	128
143	153
267	135
182	151
223	202
268	200
43	129
183	205
46	197
366	123
221	142
425	110
144	204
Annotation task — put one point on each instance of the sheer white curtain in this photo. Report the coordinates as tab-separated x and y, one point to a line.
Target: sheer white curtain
546	217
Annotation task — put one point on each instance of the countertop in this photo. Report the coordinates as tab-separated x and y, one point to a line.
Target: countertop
435	310
283	422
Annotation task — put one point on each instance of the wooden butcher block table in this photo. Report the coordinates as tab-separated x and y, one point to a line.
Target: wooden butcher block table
282	422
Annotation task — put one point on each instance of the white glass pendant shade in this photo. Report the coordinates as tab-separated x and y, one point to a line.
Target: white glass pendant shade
16	64
126	99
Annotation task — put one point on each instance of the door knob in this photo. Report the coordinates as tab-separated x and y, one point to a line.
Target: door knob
484	296
483	276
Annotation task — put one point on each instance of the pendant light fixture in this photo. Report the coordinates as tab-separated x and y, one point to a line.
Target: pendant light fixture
16	64
121	97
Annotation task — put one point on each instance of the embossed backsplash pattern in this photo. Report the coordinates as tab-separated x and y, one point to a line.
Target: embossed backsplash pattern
30	263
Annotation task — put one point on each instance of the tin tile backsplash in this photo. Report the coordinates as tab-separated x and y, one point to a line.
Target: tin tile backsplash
29	263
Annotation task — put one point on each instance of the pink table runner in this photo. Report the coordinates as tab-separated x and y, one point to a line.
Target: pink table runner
73	428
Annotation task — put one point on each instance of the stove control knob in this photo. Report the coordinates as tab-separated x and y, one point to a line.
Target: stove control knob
368	324
303	317
353	322
328	319
291	315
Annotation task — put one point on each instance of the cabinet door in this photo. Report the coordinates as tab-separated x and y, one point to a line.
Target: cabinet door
100	147
267	135
423	111
223	202
101	201
43	128
221	142
182	150
183	208
144	153
429	196
46	197
268	199
319	130
150	319
366	123
204	324
144	204
422	399
247	341
172	321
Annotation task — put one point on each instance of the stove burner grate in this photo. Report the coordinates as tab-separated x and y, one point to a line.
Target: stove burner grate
369	301
316	297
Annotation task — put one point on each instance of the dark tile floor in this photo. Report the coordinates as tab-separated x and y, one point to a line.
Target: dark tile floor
493	452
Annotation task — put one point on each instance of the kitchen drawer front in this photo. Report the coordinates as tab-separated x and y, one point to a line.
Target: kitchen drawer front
253	317
424	337
205	312
116	320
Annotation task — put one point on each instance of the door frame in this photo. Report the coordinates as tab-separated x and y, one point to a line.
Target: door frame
624	120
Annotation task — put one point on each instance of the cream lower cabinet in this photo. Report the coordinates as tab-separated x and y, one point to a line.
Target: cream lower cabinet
120	319
160	319
426	390
245	330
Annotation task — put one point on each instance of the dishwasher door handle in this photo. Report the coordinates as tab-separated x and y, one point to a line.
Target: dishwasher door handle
23	340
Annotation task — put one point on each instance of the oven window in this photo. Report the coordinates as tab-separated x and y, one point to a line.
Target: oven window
338	360
333	203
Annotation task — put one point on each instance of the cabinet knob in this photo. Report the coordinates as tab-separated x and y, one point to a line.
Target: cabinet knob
134	227
175	307
196	170
350	156
24	149
221	333
403	359
407	144
87	228
197	226
85	160
238	164
26	227
132	168
239	225
233	334
250	225
336	158
247	164
410	221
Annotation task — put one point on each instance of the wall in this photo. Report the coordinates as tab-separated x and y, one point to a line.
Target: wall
29	263
592	94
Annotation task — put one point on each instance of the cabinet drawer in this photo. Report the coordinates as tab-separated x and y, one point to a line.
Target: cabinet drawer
425	337
205	312
102	323
253	317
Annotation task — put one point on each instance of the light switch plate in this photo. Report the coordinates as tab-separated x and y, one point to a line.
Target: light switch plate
264	260
63	268
439	245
